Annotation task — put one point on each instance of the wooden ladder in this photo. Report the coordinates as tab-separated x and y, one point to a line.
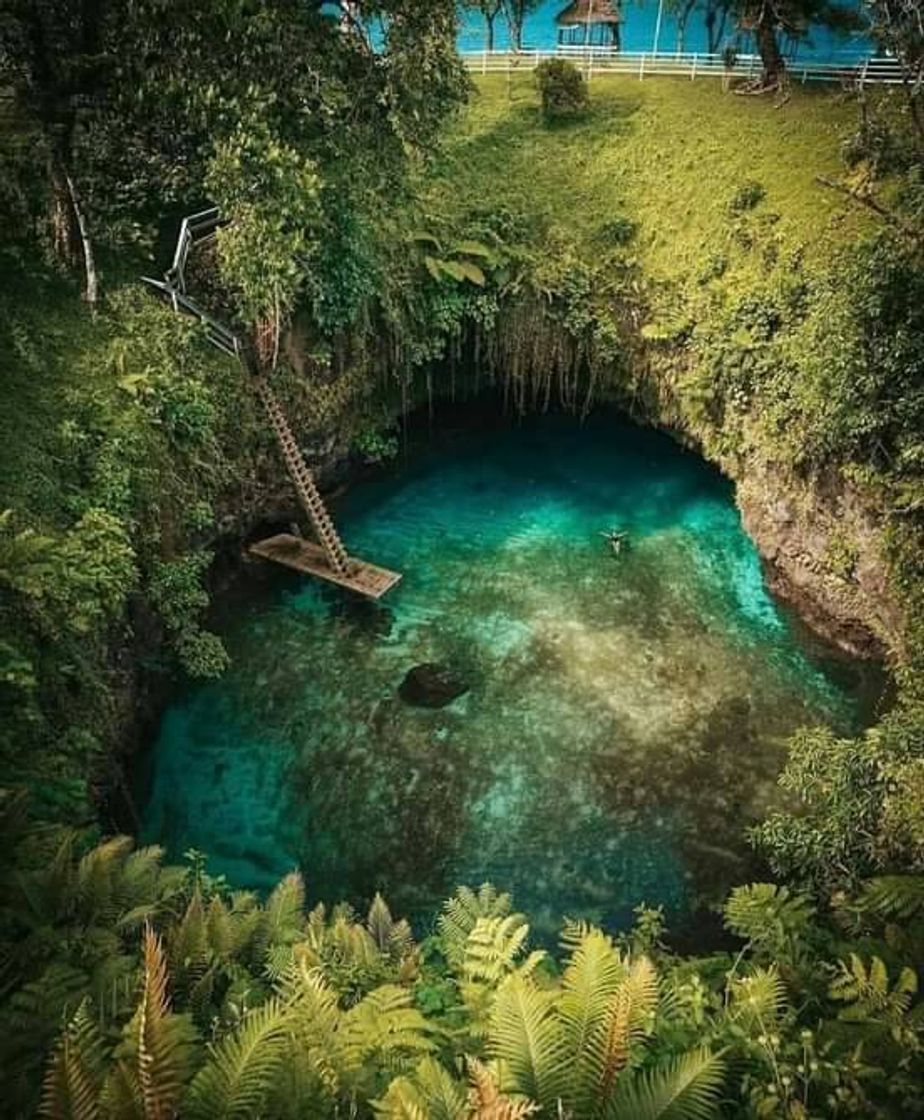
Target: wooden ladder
308	494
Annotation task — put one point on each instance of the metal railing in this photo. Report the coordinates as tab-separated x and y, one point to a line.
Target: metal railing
596	61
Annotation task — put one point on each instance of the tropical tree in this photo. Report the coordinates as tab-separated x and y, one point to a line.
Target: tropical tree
490	10
768	19
515	13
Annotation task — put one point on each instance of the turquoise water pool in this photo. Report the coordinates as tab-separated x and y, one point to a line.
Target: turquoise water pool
625	716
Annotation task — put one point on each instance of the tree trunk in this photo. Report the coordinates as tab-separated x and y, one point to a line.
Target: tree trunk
769	50
489	20
91	286
65	238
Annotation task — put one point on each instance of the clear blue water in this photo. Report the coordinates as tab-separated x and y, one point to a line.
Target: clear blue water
541	33
625	719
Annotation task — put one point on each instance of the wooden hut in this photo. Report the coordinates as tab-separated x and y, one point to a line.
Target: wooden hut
589	23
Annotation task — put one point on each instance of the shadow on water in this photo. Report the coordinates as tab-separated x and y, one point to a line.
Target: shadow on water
625	718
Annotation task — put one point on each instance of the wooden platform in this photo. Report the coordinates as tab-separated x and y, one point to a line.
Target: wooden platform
308	557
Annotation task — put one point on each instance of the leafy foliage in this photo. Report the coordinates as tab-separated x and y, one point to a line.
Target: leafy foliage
237	1008
562	89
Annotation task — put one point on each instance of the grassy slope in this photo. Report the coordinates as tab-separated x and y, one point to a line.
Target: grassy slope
667	152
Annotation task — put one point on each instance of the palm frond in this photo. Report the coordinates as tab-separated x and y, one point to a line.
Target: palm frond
686	1088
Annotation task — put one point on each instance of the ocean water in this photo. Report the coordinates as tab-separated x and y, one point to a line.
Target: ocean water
625	718
638	28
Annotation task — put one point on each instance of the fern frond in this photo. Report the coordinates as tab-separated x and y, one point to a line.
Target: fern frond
241	1069
71	1088
758	1000
868	993
163	1040
686	1088
315	1018
892	897
764	913
462	911
385	1026
485	1100
189	944
527	1037
592	975
379	922
97	874
430	1093
627	1020
283	915
492	947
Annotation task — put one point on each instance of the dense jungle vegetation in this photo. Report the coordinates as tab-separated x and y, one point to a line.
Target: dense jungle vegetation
744	272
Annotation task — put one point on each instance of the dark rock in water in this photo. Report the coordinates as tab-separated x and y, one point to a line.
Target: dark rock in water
431	686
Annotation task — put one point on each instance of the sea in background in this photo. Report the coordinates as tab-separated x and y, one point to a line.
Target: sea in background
638	30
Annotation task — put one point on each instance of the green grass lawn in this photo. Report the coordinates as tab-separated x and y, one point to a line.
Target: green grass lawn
667	153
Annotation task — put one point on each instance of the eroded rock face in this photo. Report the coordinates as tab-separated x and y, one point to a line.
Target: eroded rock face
431	685
822	547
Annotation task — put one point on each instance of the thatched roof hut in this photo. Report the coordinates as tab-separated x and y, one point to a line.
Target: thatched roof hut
589	23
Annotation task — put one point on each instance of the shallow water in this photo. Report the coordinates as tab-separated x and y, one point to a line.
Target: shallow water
625	718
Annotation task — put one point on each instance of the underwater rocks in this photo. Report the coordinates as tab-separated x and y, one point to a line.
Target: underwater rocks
431	685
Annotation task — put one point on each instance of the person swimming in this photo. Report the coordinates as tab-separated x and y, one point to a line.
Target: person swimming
617	539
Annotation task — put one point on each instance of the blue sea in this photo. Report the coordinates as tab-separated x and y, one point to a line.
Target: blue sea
638	31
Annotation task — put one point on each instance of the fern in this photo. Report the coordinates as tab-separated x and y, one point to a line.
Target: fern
528	1038
462	911
686	1088
385	1027
315	1021
627	1021
163	1040
97	877
241	1069
590	980
72	1083
767	915
283	914
429	1092
868	992
380	923
485	1100
758	1000
492	947
893	897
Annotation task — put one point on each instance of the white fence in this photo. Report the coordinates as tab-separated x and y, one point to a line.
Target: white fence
643	64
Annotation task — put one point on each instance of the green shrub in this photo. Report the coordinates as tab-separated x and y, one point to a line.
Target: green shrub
561	88
618	231
747	196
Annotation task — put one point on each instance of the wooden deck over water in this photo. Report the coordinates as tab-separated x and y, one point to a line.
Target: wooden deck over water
308	557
